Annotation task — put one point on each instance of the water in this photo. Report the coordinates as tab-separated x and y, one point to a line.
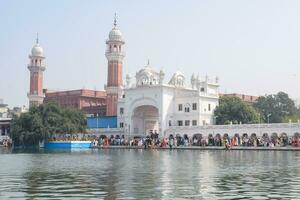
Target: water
150	174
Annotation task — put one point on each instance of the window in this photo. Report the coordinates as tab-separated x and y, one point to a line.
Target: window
194	106
187	122
123	96
121	111
179	122
209	107
179	107
121	125
170	123
187	107
194	122
202	89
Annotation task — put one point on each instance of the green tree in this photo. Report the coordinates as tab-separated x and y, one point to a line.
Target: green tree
279	107
233	109
44	122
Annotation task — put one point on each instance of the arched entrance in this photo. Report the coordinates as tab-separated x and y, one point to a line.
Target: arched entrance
145	120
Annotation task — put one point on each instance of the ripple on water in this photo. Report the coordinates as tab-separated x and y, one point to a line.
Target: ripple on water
139	174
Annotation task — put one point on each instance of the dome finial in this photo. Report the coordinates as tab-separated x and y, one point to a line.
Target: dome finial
37	37
115	20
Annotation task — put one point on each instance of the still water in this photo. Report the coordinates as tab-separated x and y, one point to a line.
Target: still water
150	174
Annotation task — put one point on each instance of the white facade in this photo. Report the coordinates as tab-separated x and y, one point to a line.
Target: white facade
151	105
290	129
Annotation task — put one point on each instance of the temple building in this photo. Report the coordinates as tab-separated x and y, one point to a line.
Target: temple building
140	105
149	104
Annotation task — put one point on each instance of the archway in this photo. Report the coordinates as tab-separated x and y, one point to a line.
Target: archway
145	120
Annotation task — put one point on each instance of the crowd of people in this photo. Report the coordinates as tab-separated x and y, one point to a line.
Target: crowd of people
153	141
6	142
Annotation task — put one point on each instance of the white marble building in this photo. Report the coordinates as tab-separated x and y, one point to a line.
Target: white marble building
150	104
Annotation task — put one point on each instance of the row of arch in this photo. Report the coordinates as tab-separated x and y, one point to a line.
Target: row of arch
264	135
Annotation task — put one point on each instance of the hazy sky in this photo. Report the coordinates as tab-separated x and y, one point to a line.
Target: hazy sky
253	46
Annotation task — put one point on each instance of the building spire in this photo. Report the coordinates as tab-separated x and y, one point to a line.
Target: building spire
115	20
37	38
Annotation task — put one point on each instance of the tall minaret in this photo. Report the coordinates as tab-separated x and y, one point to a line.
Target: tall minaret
114	54
36	68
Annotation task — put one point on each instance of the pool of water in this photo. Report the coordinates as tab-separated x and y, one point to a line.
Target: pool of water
149	174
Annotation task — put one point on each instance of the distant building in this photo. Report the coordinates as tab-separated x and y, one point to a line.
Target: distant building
4	111
246	98
91	102
4	128
36	67
148	104
5	121
17	111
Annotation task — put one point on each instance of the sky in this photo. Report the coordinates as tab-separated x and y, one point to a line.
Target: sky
253	46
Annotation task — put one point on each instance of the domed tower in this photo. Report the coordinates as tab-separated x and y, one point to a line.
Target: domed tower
114	54
36	68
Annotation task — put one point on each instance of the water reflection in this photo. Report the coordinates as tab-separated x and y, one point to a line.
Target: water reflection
140	174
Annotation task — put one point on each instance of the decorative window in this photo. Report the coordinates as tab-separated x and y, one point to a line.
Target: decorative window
179	122
194	106
202	89
121	125
170	123
187	108
209	107
187	122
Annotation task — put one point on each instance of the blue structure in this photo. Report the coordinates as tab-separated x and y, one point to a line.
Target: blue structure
102	122
68	144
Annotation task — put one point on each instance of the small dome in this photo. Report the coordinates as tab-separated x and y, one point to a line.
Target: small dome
115	34
147	76
37	50
178	73
147	70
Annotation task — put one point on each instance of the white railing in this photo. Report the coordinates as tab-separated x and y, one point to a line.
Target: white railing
238	126
279	128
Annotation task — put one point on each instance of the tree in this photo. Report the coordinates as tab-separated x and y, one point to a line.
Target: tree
233	109
279	107
44	122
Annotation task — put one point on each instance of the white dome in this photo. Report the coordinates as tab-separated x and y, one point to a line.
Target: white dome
147	70
147	76
37	50
115	34
178	73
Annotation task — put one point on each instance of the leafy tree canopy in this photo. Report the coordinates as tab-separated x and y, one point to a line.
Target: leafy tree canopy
233	109
279	107
45	121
